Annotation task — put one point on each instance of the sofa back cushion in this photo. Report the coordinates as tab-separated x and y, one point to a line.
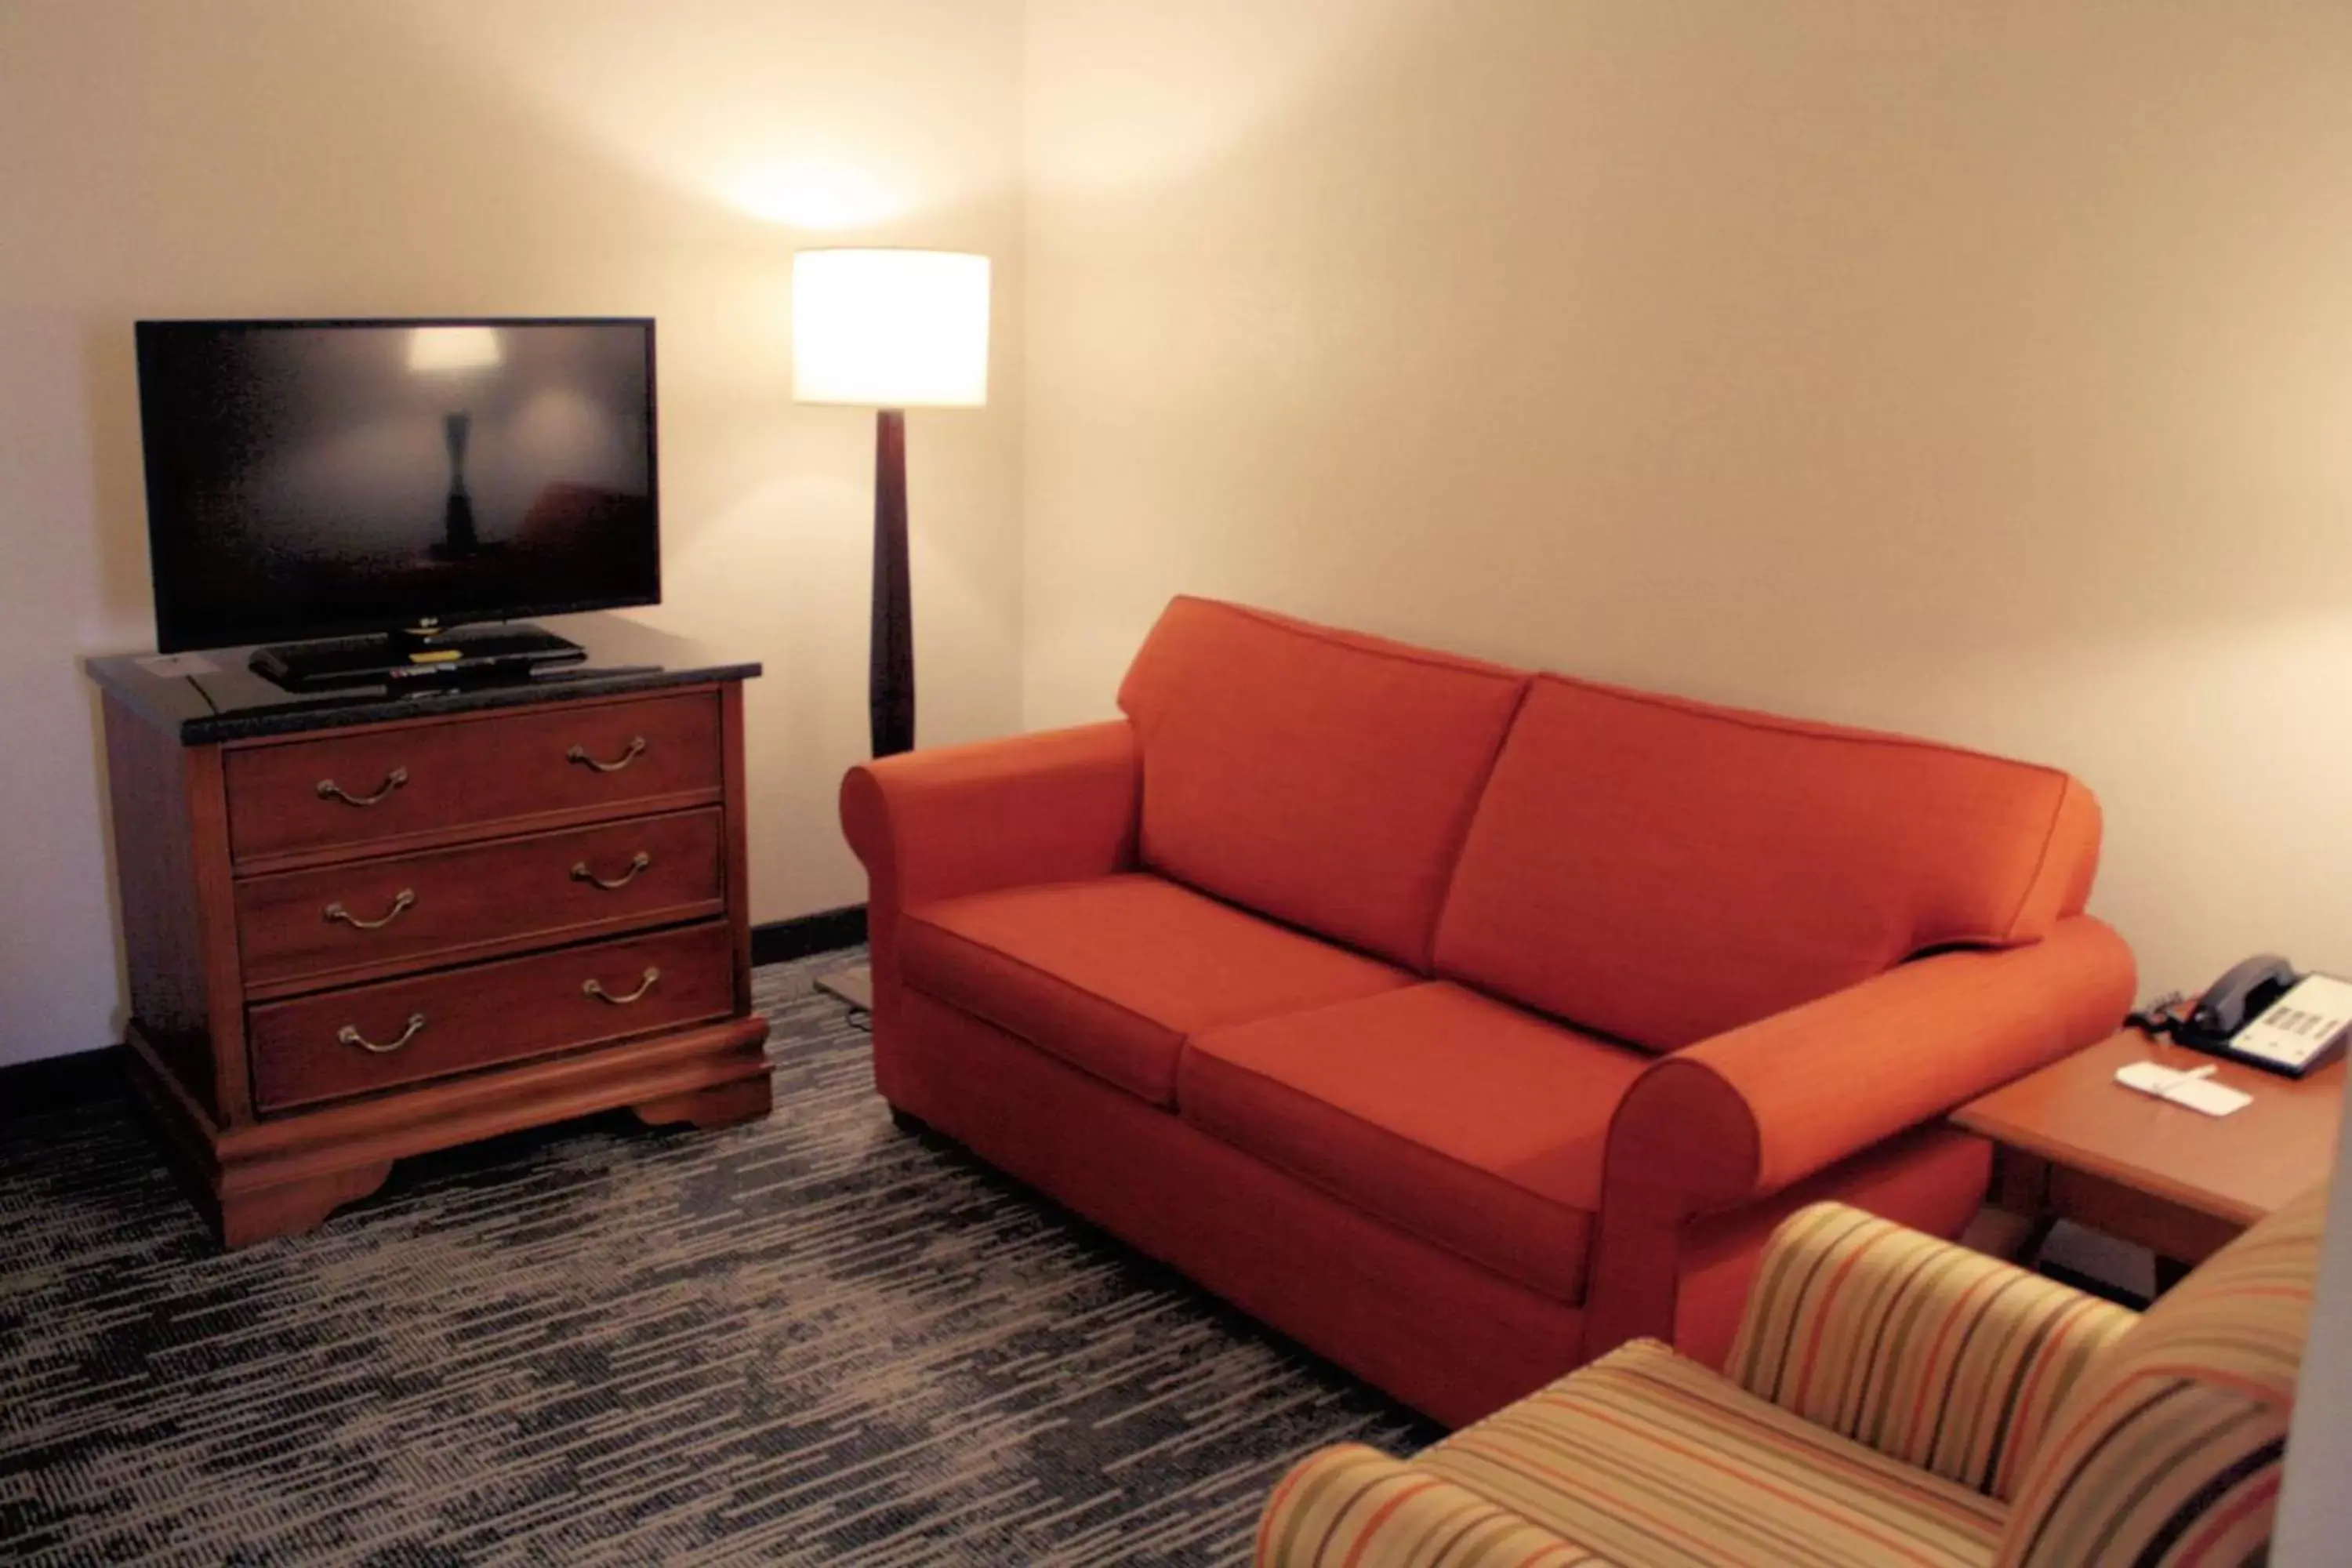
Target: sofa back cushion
2171	1448
1663	870
1318	776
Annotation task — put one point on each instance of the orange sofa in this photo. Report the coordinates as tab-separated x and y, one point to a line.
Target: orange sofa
1460	1022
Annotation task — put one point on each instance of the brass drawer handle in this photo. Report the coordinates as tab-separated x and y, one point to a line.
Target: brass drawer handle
637	864
637	748
401	900
329	790
351	1037
598	991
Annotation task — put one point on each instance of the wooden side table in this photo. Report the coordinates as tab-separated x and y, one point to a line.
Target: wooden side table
2074	1144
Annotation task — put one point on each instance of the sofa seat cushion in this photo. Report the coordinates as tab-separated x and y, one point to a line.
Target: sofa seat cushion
1453	1117
1662	870
1645	1457
1111	974
1320	776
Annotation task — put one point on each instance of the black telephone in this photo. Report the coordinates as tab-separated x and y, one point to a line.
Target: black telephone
2263	1013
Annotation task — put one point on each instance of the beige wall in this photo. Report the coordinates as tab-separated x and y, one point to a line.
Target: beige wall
1979	371
1983	371
211	157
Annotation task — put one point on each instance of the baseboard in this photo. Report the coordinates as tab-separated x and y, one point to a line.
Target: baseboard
57	1083
774	942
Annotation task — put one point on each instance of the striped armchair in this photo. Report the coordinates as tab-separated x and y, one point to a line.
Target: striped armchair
1890	1399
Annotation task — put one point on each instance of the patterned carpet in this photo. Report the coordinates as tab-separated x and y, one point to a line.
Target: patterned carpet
811	1339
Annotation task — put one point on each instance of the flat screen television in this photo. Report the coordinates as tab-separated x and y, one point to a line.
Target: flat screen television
381	483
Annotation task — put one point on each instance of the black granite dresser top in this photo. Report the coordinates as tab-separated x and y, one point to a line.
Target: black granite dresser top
228	701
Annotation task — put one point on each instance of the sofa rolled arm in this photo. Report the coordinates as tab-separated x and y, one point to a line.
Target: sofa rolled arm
1053	807
1940	1357
1738	1117
1355	1506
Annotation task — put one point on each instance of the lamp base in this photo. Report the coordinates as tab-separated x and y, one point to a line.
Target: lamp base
854	985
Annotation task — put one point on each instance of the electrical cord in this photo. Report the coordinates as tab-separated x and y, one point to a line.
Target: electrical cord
858	1018
2160	1017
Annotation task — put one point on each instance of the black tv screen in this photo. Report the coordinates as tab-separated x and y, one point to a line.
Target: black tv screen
316	478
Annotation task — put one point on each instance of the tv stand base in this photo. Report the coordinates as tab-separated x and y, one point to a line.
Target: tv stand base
397	659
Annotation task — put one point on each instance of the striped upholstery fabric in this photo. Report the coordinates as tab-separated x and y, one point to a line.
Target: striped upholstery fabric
1353	1507
1887	1394
1924	1352
1654	1461
2169	1453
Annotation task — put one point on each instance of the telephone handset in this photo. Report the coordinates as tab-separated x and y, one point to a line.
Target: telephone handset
2263	1013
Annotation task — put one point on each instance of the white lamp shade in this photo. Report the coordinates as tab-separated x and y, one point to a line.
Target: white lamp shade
453	348
890	328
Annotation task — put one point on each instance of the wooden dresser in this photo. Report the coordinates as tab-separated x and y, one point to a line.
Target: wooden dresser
362	927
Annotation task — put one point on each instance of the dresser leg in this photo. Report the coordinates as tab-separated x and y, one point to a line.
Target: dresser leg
290	1206
721	1105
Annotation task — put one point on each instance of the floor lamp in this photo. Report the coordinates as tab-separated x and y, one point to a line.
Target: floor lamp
889	331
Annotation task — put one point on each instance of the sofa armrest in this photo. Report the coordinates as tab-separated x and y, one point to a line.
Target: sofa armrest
1355	1506
1733	1120
1053	806
1930	1353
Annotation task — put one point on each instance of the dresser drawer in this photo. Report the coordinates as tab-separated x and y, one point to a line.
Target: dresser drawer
431	777
319	1047
356	919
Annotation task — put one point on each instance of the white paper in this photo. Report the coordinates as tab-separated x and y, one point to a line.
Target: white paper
2212	1099
2185	1089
